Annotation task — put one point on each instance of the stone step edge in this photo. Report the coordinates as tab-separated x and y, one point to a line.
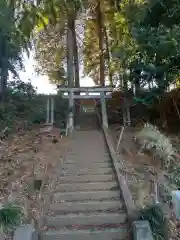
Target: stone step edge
88	206
82	231
106	234
83	195
85	220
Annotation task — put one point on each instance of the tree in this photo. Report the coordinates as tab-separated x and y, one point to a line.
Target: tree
157	35
50	53
10	45
94	43
51	48
115	38
101	42
17	22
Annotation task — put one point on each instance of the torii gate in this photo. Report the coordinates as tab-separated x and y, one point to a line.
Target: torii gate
72	96
87	90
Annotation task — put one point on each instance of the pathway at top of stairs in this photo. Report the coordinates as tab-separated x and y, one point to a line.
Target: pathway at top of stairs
86	204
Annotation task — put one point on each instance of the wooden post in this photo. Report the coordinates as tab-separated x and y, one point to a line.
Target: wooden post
47	111
124	116
119	140
52	110
103	108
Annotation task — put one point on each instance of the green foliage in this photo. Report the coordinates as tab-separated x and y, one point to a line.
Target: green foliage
51	52
174	175
11	216
157	221
50	44
22	105
157	37
146	40
25	106
16	28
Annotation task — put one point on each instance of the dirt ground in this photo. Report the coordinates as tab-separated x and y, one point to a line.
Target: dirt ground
28	162
135	166
33	157
138	168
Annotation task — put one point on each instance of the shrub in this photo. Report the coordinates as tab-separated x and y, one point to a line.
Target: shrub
150	138
11	216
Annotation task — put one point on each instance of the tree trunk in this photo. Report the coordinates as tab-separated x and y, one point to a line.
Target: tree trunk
101	42
70	65
76	67
70	73
126	111
137	87
108	58
76	57
121	81
4	79
4	67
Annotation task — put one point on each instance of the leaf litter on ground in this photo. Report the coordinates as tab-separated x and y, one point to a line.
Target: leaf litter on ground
26	160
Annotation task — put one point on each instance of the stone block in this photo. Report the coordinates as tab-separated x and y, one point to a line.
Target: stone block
142	231
25	232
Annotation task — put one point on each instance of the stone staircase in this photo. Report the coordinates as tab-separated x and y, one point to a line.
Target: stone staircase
86	121
86	203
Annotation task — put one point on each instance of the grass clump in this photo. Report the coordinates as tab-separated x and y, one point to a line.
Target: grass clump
150	138
11	215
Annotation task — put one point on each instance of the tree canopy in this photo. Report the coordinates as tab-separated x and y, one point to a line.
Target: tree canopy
140	49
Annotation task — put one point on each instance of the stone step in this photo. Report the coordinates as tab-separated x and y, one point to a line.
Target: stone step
84	219
87	178
103	155
67	187
86	171
71	207
105	234
83	159
99	152
81	164
90	195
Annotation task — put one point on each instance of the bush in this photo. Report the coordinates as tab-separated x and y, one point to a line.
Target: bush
25	105
11	216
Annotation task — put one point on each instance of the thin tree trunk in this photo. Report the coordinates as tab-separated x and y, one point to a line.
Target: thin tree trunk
137	87
3	83
70	73
126	112
121	81
128	115
4	53
76	57
124	103
101	42
4	67
70	65
108	57
76	67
